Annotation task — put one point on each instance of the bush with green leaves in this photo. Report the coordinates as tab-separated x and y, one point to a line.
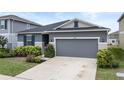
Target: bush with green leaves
33	59
12	53
4	50
49	51
4	53
30	58
105	59
37	59
27	50
117	52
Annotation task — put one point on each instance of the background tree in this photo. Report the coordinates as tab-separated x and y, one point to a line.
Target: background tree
3	41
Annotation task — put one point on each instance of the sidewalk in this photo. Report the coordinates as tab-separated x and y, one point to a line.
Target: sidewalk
5	77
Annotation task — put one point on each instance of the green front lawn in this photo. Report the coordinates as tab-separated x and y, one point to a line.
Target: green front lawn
14	66
110	74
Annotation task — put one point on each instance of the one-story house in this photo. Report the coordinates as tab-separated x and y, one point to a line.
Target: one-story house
73	38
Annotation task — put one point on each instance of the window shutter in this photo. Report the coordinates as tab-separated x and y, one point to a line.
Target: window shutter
33	39
0	24
24	40
5	24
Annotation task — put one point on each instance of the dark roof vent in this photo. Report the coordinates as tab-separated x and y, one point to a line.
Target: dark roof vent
76	24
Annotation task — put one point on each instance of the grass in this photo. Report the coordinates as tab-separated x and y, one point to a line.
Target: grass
14	66
110	74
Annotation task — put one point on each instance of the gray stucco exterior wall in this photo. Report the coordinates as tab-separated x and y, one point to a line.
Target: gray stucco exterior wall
121	25
101	34
20	26
15	26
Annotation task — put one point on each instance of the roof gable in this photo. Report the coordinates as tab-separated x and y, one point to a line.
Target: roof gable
81	24
66	26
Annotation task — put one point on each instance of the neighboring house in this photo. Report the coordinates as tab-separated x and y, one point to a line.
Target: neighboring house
113	38
121	31
11	24
74	38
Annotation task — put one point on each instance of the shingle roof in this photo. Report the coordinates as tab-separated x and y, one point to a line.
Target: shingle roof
18	19
82	28
51	27
116	32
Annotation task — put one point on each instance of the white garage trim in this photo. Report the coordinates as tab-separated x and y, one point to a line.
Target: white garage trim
55	38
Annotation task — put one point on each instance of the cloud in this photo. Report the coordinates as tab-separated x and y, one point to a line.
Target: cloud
89	15
103	19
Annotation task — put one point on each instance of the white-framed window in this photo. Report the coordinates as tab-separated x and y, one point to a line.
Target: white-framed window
28	39
28	26
3	24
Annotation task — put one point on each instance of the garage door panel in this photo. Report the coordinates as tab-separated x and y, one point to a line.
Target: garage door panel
77	47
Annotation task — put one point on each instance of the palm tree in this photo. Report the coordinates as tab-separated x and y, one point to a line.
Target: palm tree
3	41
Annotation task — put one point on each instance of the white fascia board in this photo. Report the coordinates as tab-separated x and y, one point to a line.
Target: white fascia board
30	33
63	24
46	32
76	37
82	21
77	30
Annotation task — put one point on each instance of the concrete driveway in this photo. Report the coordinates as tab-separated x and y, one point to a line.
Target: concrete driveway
63	68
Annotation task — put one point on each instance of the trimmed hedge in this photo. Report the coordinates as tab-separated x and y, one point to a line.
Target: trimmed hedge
23	51
49	51
105	59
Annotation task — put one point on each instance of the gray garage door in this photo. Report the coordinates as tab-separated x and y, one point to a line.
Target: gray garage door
77	47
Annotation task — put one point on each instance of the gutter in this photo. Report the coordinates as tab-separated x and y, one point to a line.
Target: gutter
46	32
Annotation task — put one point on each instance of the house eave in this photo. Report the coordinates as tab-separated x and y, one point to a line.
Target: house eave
46	32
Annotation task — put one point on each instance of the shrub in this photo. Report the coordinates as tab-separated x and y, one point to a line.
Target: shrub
105	58
118	53
37	59
115	64
12	53
4	50
30	58
49	51
27	50
2	54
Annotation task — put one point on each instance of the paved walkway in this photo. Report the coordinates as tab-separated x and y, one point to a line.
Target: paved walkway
5	77
62	68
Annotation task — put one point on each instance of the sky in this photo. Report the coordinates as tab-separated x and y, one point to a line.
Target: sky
105	19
